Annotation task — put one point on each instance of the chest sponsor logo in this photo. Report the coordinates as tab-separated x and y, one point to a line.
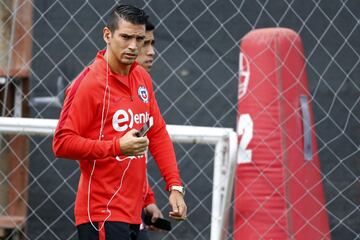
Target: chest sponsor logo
143	94
123	120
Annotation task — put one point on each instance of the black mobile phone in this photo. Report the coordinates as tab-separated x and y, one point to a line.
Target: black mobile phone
160	223
145	128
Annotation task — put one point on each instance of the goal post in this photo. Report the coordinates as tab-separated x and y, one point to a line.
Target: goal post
224	139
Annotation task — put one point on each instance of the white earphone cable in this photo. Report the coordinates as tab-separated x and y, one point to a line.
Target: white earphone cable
101	136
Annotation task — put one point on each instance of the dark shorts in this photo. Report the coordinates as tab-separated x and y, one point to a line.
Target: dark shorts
111	231
143	235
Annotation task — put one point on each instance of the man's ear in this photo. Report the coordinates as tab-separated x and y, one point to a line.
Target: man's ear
106	35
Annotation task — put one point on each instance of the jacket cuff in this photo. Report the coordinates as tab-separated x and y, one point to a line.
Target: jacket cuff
116	147
149	197
149	200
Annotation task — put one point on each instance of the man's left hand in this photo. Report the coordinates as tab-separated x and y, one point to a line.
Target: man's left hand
177	203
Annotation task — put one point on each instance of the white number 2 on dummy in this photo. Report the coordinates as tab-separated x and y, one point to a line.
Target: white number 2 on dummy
245	130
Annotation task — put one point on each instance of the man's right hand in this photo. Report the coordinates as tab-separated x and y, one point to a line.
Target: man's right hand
153	210
131	145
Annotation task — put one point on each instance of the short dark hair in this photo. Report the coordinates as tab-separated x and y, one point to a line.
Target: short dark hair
128	13
149	26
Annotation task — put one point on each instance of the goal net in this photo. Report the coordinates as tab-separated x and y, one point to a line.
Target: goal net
218	189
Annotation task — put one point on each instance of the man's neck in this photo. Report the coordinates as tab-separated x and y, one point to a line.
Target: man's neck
115	65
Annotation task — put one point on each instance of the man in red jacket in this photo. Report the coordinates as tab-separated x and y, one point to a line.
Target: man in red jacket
104	108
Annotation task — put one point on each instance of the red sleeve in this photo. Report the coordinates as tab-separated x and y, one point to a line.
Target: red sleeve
149	195
77	114
161	146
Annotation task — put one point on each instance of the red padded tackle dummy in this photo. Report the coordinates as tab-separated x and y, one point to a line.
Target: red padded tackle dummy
278	189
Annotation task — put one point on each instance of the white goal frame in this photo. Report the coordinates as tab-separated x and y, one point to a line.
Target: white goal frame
224	139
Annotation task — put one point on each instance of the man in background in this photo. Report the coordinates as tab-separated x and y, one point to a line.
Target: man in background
145	59
147	52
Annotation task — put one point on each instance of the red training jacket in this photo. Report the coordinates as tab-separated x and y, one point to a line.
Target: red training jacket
130	101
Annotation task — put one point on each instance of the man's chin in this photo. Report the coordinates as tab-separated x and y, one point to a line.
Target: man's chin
128	61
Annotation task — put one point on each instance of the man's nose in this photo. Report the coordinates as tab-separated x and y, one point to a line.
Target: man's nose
132	44
151	51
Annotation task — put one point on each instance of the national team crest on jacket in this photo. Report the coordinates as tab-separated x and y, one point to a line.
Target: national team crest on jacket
143	94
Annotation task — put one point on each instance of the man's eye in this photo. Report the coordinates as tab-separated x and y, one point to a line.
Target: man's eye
139	39
126	37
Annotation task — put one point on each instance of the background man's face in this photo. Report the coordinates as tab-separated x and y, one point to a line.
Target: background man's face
126	41
147	52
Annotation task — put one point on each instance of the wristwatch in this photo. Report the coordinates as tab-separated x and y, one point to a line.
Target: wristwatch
180	189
